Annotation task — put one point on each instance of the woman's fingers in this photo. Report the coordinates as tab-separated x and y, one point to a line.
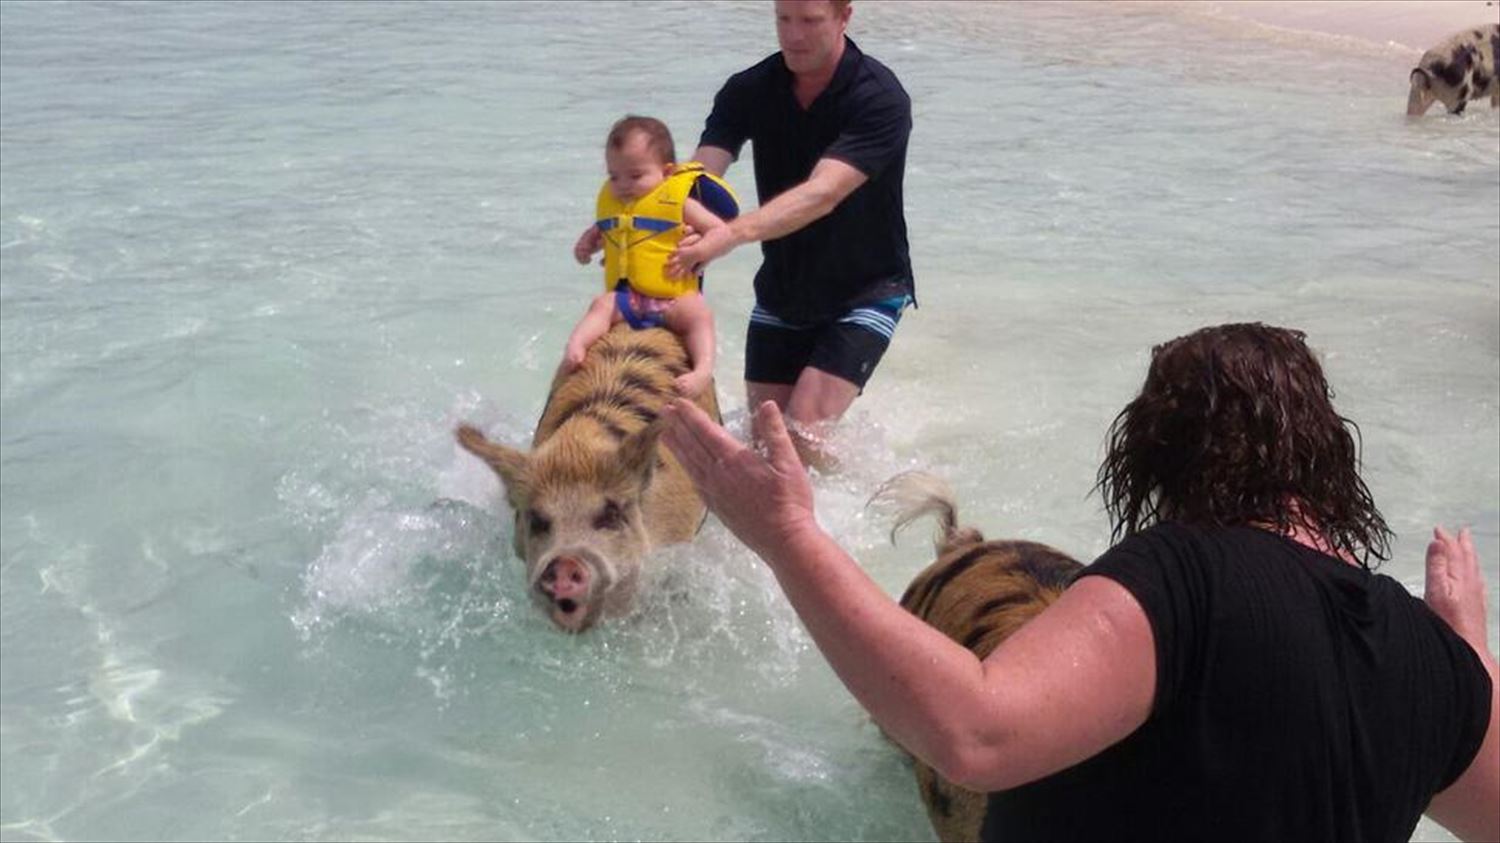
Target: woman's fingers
683	438
770	428
711	435
1450	557
1437	558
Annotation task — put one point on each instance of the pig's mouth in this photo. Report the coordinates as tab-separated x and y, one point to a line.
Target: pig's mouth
569	586
572	615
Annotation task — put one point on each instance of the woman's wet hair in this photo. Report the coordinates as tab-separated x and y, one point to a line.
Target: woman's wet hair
1234	426
658	137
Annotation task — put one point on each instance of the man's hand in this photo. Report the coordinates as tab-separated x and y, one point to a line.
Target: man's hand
589	242
690	236
694	251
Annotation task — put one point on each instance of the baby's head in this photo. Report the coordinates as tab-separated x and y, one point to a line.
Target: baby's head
638	155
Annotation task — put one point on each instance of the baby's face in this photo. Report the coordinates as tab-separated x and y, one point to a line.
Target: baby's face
634	169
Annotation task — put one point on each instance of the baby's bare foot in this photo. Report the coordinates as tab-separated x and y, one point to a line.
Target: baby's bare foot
572	358
692	384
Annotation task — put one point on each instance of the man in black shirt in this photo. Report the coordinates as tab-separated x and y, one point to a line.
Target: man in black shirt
829	125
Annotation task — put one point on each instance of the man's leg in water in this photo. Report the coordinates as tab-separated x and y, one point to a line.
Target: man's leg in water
775	356
811	407
826	365
759	393
817	402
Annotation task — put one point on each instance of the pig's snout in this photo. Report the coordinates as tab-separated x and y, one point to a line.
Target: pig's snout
566	581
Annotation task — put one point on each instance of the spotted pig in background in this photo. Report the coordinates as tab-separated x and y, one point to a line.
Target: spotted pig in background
1460	69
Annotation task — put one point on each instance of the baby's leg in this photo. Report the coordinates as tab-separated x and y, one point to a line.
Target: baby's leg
691	319
594	324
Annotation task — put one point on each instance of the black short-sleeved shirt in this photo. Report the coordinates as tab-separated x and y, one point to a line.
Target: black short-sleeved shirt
1297	698
857	253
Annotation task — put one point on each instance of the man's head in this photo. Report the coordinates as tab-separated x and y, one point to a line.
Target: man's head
638	155
811	33
1235	425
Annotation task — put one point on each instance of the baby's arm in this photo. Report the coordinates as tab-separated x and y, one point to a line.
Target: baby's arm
589	242
699	217
697	221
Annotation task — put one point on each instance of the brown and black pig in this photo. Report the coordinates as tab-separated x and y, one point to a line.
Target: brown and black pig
596	492
978	593
1460	69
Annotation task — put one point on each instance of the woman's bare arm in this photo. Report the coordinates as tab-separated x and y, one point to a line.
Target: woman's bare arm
1470	807
1075	680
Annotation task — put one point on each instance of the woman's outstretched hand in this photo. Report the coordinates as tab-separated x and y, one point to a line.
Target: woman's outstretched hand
766	501
1455	587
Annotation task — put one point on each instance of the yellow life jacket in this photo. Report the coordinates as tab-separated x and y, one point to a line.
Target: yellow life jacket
639	236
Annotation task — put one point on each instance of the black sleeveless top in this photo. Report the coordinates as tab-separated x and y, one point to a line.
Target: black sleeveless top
1297	698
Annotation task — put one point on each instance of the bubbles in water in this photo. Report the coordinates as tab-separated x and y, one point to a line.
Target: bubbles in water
383	559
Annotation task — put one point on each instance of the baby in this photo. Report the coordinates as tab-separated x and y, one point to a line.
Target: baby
641	211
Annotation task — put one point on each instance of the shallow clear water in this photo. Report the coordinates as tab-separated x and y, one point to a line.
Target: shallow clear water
256	261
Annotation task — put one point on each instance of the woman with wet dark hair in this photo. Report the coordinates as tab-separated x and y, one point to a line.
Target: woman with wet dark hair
1235	426
1231	669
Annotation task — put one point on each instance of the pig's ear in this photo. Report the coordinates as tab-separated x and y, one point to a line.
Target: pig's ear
638	452
1420	80
509	463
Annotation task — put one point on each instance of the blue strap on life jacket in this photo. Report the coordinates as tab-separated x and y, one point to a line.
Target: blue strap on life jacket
635	320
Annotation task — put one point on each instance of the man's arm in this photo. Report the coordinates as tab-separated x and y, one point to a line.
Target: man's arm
831	181
714	159
829	184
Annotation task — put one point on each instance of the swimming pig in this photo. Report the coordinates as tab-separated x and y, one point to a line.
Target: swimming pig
1460	69
977	593
596	492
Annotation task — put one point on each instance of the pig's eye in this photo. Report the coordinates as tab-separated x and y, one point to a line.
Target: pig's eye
611	517
537	522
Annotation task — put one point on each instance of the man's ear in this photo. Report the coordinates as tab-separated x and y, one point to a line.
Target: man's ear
1420	79
509	463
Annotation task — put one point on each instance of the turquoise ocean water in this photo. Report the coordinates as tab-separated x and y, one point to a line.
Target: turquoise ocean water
257	260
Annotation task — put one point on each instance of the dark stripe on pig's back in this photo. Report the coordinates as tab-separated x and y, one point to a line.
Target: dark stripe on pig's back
622	386
1037	562
978	595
